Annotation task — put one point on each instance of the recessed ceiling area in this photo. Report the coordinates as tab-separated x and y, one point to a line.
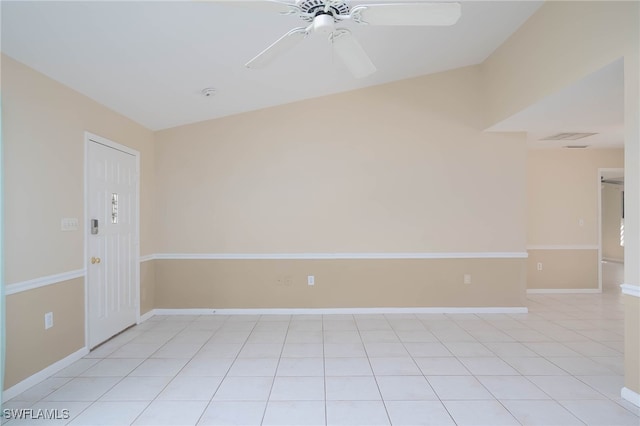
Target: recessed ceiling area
594	104
150	60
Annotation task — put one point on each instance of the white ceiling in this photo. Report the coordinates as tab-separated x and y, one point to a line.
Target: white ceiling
150	60
593	104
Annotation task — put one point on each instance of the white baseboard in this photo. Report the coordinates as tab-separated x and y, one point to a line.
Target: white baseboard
630	290
329	311
18	388
631	396
563	290
146	316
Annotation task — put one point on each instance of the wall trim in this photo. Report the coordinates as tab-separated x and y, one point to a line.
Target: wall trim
630	290
146	316
19	287
562	290
563	247
22	386
631	396
147	258
318	256
329	311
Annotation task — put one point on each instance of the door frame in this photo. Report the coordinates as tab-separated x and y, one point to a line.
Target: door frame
88	139
602	170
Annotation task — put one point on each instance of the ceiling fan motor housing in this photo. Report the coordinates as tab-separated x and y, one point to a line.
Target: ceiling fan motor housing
311	9
324	23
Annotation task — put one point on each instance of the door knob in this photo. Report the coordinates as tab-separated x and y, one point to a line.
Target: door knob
95	260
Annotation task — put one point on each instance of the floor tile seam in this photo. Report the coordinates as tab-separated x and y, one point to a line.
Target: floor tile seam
99	401
557	402
590	386
273	380
570	373
560	402
386	410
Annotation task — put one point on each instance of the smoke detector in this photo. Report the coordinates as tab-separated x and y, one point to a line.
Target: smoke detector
208	92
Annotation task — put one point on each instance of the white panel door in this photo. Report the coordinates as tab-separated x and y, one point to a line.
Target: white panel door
111	272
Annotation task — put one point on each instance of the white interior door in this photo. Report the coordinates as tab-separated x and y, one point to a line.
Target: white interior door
111	242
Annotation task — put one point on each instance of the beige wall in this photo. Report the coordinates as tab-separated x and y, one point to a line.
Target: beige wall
344	283
43	140
562	188
31	348
43	135
562	269
611	218
561	43
562	191
402	167
147	286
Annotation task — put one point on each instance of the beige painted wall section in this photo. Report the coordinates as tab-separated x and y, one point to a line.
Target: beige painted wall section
43	135
562	188
611	219
224	284
632	343
147	286
563	269
402	167
561	43
31	348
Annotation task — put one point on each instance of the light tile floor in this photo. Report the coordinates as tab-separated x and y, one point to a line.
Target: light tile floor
560	364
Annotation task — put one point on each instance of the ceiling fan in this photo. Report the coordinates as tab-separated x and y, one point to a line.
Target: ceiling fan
324	15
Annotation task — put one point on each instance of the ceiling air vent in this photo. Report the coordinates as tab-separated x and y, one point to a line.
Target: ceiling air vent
567	136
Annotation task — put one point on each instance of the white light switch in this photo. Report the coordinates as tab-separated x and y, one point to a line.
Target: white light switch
311	280
69	224
48	320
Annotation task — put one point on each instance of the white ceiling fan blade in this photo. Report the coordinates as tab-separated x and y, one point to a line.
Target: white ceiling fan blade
282	7
352	54
284	43
428	14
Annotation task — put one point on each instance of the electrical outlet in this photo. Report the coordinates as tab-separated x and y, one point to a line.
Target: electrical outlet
467	278
48	320
581	222
539	266
311	280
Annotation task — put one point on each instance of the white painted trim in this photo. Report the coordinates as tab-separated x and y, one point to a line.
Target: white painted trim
329	311
563	290
146	316
43	281
18	388
630	290
563	247
147	258
599	191
631	396
318	256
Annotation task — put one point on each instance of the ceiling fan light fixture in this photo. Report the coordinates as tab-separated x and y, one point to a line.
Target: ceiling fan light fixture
324	23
